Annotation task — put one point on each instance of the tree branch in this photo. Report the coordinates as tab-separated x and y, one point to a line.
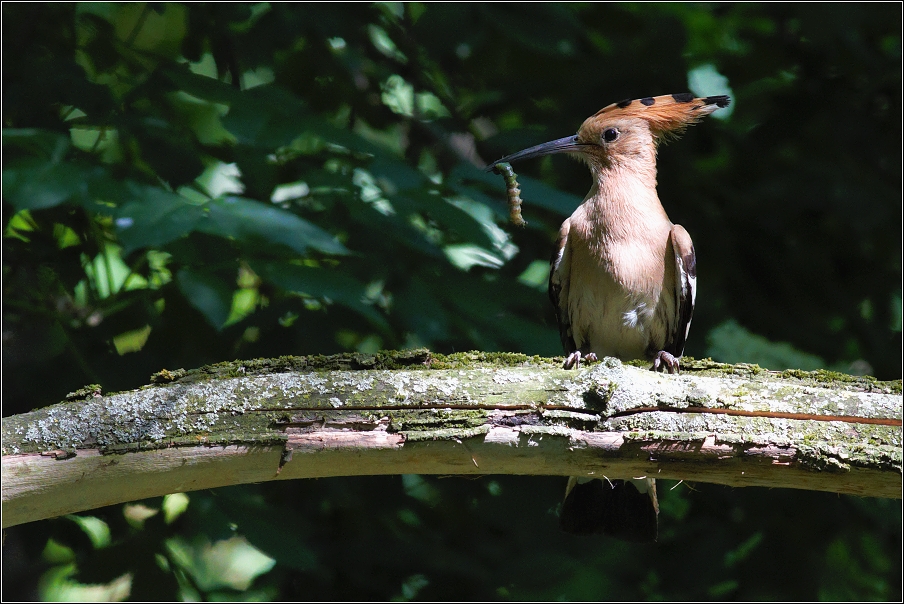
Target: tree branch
417	413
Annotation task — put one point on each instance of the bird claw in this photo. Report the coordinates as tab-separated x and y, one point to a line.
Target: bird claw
574	359
667	361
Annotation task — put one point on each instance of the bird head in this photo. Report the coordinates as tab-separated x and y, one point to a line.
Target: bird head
628	130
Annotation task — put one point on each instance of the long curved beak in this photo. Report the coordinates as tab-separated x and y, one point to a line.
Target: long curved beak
569	144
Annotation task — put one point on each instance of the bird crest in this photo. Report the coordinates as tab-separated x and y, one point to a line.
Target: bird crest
666	115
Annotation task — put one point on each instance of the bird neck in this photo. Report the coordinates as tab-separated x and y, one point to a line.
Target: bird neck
624	198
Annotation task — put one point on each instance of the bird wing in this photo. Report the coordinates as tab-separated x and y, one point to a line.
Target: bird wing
685	289
559	279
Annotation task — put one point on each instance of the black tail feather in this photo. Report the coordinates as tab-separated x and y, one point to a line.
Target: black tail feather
615	508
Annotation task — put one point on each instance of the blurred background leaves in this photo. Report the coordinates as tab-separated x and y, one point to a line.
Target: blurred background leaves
186	184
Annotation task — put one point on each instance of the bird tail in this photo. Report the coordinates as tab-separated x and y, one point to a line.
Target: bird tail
624	509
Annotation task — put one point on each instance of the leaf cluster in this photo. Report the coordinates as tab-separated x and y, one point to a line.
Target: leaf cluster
185	184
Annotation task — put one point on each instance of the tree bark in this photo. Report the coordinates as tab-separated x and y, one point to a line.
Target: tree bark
472	413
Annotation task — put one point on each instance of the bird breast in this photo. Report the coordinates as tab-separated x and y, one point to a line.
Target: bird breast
618	275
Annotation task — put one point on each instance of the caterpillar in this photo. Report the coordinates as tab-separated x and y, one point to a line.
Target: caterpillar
513	191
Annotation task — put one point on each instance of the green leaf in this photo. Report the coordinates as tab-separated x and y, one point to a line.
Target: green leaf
730	342
207	292
203	87
466	255
97	530
36	184
397	173
743	550
391	230
154	217
173	157
269	117
283	538
266	117
242	218
448	215
232	562
173	506
337	286
42	143
421	489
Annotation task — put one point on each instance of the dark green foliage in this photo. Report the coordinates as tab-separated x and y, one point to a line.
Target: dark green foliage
188	184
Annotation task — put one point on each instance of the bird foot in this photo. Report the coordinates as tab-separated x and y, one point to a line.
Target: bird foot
574	359
666	361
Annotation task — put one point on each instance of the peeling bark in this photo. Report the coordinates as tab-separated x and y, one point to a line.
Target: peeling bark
416	413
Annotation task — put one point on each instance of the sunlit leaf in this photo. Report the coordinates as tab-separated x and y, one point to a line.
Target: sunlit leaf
232	562
132	341
174	505
136	514
96	529
56	585
284	538
466	255
57	553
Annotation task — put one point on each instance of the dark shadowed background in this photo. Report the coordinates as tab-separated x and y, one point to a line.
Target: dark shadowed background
188	184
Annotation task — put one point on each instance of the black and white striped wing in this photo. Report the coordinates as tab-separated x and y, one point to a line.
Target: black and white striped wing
685	289
559	280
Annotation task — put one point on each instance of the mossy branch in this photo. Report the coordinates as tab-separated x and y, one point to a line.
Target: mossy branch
417	413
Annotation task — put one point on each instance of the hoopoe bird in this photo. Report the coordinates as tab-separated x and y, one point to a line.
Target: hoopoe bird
622	277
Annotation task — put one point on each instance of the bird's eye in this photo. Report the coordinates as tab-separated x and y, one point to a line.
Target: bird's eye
610	134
